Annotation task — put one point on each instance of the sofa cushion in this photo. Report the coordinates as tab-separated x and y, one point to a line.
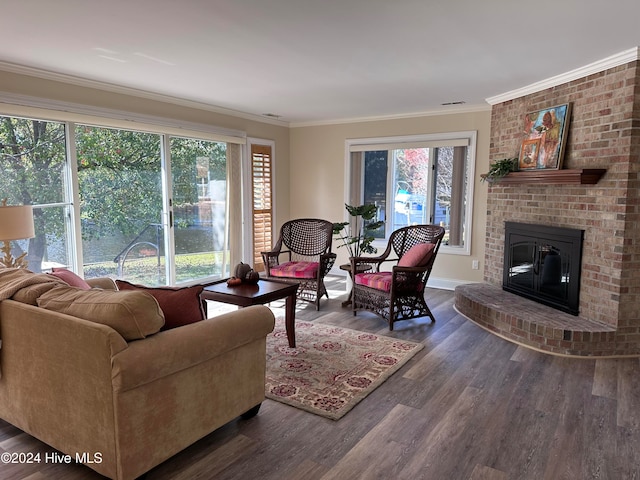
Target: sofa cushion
418	255
134	315
104	283
180	305
296	270
14	279
31	293
70	278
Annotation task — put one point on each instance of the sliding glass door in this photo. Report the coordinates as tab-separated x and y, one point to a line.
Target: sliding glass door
120	191
199	180
122	204
134	205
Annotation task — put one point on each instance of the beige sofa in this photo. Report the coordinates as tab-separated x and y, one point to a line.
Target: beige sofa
123	407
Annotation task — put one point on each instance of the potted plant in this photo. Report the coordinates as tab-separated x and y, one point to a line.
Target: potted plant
357	234
499	169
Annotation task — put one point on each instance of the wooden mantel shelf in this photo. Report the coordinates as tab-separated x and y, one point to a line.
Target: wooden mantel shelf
583	176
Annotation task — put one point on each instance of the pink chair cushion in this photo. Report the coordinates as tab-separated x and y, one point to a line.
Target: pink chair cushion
379	280
296	270
418	255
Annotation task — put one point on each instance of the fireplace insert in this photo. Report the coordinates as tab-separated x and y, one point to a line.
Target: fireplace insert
543	263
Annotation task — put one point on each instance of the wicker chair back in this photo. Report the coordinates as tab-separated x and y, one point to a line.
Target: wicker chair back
307	236
304	240
404	238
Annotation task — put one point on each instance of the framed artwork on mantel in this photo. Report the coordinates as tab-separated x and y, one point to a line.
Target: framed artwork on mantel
529	154
545	136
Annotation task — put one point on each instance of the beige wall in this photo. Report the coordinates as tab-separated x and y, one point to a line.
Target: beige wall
15	84
309	161
318	177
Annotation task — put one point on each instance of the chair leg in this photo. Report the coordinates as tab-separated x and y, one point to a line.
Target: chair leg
430	315
321	291
352	297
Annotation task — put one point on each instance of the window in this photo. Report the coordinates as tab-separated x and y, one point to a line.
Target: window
145	206
33	162
199	181
120	193
417	179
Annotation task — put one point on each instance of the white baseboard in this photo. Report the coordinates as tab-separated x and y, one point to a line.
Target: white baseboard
445	283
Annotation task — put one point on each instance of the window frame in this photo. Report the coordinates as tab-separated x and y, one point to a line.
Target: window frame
71	115
430	140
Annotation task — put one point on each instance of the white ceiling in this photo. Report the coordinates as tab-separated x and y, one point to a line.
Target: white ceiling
316	61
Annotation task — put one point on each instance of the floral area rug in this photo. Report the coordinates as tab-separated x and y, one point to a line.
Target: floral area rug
332	368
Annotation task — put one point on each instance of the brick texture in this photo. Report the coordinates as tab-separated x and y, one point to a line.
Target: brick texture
604	132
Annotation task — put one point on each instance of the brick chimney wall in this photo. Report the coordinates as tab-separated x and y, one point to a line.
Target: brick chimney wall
604	132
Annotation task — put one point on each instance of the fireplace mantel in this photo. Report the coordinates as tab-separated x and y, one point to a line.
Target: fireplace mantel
582	176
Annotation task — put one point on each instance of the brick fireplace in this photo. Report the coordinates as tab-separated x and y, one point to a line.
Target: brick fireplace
604	133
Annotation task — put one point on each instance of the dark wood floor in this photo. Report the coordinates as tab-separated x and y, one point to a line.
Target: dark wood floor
469	406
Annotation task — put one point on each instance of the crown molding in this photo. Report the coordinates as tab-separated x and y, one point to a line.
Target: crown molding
109	87
450	110
621	58
616	60
66	111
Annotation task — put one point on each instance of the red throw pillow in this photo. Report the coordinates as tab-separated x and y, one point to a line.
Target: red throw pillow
70	278
418	255
180	305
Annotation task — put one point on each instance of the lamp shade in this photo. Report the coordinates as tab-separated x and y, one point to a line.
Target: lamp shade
16	222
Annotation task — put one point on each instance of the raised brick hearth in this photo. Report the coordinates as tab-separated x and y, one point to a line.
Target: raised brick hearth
537	326
604	133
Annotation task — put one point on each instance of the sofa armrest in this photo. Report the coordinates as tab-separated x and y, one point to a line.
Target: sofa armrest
105	283
56	382
177	349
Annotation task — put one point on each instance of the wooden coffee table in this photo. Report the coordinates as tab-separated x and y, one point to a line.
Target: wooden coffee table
264	291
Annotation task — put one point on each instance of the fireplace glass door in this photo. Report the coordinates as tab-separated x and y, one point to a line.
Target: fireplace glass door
543	263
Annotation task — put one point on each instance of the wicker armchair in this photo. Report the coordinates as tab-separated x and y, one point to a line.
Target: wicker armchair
306	244
398	294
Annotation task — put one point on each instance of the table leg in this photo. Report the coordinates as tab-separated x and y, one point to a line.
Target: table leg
347	268
290	319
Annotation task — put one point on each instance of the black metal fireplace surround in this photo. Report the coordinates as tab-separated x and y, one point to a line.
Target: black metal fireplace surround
543	263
